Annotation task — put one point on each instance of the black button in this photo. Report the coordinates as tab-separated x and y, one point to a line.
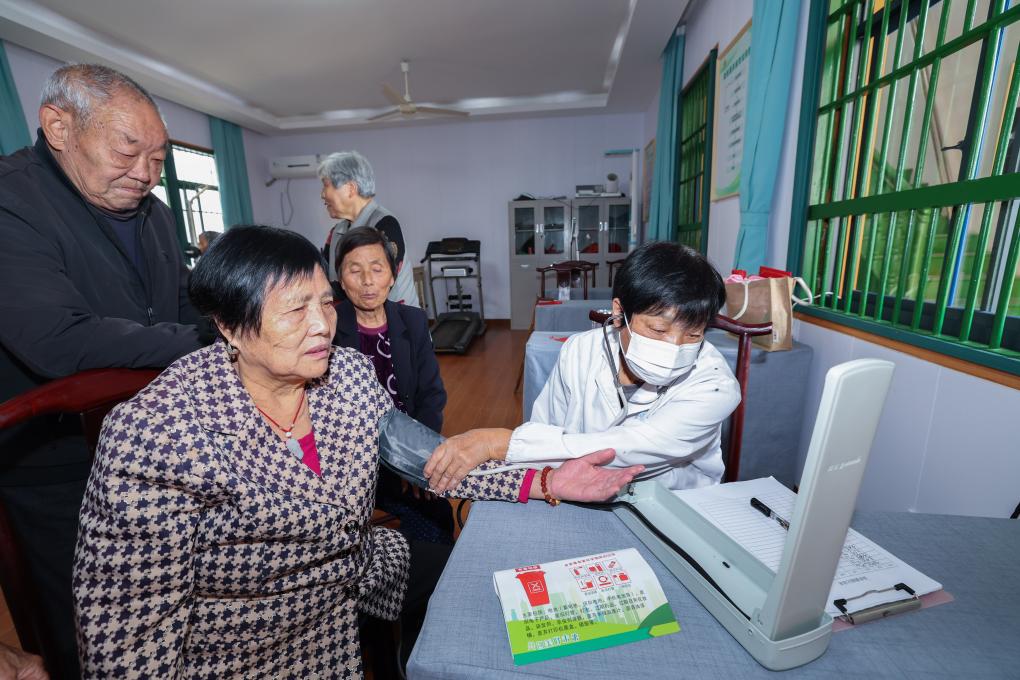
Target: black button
351	527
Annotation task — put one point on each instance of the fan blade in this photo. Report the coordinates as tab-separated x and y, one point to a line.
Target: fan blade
385	114
442	112
393	95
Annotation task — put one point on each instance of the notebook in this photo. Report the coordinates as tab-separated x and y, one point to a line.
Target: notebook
867	574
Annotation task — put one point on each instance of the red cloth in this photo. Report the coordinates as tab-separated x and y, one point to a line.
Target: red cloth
311	458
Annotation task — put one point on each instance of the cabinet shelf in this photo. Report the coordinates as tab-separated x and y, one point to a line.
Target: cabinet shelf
595	229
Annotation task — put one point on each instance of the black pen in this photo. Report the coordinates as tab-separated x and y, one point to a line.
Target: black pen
768	512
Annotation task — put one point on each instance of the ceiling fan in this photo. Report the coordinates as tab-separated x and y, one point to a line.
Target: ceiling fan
406	106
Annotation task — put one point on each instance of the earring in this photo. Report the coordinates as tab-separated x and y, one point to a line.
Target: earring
232	352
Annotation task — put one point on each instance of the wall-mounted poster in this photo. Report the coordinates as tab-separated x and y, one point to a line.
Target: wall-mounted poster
730	106
647	170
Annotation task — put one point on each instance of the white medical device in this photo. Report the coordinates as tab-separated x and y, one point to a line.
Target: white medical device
780	619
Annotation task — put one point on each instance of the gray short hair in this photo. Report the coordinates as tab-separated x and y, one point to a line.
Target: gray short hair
349	166
79	88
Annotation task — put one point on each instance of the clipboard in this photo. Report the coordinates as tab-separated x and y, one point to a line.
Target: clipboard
878	611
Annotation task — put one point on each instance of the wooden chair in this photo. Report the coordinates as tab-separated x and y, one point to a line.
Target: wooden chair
612	265
744	333
90	395
566	273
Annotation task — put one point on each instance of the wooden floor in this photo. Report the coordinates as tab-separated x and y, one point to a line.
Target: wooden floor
479	385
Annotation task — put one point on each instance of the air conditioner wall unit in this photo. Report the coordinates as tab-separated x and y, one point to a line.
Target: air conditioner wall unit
293	167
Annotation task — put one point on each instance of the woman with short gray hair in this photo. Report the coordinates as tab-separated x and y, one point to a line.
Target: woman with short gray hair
348	190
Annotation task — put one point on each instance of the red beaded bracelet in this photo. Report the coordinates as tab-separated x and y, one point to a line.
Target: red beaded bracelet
545	487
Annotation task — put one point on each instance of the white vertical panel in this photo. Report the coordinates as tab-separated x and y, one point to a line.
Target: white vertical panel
898	455
972	465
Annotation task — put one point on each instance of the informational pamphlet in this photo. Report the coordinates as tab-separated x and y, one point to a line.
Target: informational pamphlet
561	608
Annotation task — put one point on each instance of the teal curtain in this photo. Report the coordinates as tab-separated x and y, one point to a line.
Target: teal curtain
662	208
235	195
773	43
13	129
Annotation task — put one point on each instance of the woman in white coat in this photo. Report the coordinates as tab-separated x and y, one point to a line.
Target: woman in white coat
649	386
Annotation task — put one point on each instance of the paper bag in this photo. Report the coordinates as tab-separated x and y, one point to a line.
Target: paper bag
767	300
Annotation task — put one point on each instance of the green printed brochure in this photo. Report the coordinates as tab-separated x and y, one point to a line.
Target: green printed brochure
579	605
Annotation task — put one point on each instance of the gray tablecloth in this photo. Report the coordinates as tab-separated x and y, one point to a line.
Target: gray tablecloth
594	293
540	356
774	409
569	315
976	636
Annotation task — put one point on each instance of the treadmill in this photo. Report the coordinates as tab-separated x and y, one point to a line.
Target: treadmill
456	258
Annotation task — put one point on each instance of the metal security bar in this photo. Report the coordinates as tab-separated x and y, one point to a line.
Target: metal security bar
694	156
191	189
912	178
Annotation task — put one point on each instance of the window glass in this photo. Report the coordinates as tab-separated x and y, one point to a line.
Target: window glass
914	184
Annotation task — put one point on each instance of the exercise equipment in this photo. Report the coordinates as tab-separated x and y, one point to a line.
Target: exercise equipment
457	258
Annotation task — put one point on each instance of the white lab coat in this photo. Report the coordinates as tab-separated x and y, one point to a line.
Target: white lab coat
677	434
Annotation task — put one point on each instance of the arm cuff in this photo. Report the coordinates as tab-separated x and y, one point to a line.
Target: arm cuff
529	477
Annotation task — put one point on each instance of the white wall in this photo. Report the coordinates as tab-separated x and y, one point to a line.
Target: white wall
31	69
711	24
946	443
453	179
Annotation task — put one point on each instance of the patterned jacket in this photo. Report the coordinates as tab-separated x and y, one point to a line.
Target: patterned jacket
206	550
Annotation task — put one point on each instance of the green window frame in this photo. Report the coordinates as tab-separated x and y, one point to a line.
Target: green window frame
907	185
185	198
694	156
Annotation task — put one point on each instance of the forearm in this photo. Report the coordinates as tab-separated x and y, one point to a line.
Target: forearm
634	445
92	342
497	486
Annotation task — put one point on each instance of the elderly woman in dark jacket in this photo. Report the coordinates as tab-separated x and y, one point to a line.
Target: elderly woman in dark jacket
225	528
396	338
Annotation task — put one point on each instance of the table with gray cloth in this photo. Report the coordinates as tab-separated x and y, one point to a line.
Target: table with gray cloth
569	315
540	355
774	407
975	636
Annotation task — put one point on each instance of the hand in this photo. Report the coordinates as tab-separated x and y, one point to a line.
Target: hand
459	455
18	665
584	479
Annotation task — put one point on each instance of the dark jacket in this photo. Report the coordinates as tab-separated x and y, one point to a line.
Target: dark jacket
70	298
414	358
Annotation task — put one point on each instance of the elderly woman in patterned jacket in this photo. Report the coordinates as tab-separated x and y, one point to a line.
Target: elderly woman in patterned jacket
225	531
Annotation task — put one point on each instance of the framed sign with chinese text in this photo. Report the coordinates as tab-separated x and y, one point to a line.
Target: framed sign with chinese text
731	105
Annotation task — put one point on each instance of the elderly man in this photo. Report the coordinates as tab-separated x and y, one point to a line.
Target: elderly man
92	277
348	190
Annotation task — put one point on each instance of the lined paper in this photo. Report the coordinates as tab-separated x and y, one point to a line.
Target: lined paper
863	565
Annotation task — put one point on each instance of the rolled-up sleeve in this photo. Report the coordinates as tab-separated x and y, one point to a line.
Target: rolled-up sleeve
681	431
383	584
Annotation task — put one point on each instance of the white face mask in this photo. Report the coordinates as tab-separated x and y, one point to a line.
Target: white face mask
658	362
